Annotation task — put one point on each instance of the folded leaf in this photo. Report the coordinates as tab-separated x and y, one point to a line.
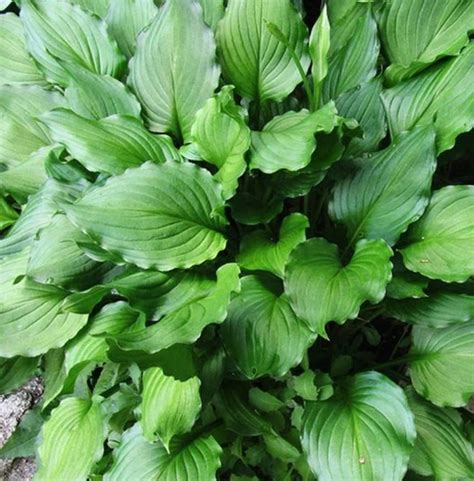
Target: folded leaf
441	365
443	95
169	407
72	441
319	43
441	448
261	73
164	216
262	334
315	277
108	145
411	45
8	215
139	460
173	71
389	190
83	41
440	243
259	252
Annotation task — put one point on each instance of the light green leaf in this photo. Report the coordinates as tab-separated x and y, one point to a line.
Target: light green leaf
108	145
222	137
137	459
443	95
173	219
72	441
213	11
173	71
113	319
8	215
288	140
99	96
319	42
169	407
365	432
441	365
262	334
261	73
15	372
259	252
315	277
83	41
185	324
440	243
389	190
97	7
265	401
406	284
31	320
412	45
441	448
16	66
4	4
126	19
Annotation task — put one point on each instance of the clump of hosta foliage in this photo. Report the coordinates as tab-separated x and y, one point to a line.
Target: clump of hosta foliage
238	244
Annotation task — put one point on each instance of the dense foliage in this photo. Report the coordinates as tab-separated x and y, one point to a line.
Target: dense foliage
237	245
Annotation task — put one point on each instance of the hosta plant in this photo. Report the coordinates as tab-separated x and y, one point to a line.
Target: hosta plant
238	238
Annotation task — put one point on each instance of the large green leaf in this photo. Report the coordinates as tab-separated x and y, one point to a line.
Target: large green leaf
411	45
184	324
137	459
72	441
255	61
16	66
365	432
31	319
441	365
262	334
165	216
288	140
259	252
83	41
169	407
173	71
322	289
222	137
108	145
441	448
440	243
443	95
387	191
15	372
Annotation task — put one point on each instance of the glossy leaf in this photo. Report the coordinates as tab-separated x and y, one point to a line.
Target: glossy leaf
319	43
439	244
15	372
173	71
261	74
365	432
180	203
389	190
315	277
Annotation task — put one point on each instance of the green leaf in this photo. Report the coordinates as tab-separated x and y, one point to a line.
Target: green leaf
185	324
443	94
135	458
258	251
72	441
4	4
169	407
97	7
262	334
126	19
441	448
84	41
406	284
288	140
8	215
315	277
440	243
319	42
388	191
411	45
173	71
365	432
222	137
99	96
113	319
31	319
213	11
164	216
15	372
441	365
16	66
108	145
261	73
